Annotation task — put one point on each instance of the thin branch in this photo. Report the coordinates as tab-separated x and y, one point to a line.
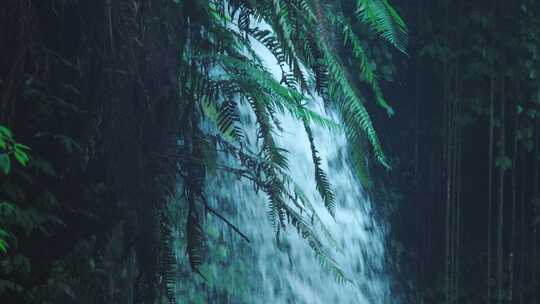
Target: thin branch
232	226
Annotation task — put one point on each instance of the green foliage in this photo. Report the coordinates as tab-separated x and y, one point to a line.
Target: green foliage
382	17
225	277
227	74
321	179
475	53
355	115
195	241
10	150
3	244
503	162
225	119
100	125
88	275
24	208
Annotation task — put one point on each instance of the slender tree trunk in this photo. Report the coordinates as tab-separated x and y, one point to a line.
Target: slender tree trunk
448	206
500	218
490	149
452	180
458	188
452	137
452	183
448	171
418	193
535	200
457	151
513	219
523	228
490	181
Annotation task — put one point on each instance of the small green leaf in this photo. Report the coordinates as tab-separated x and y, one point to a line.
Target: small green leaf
6	206
3	233
21	157
5	164
503	162
3	246
5	131
22	147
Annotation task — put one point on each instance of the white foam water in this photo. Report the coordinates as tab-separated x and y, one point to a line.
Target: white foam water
292	273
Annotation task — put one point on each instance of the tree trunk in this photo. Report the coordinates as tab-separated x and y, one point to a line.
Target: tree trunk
523	227
500	217
513	219
490	181
490	153
535	212
458	188
448	210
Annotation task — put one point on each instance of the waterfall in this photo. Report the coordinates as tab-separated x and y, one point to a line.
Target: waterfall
289	272
293	274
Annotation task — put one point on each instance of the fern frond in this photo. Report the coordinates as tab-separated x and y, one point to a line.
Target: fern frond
383	19
352	108
272	44
282	98
326	261
356	117
284	28
227	120
276	187
313	215
275	190
321	179
367	70
270	152
195	248
359	162
332	267
3	243
244	18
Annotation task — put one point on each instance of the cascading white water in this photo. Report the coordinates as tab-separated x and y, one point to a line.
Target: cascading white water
295	276
292	274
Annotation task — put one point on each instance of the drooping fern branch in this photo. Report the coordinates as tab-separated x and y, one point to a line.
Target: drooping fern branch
321	179
226	120
168	257
367	70
355	115
301	36
382	18
195	241
281	191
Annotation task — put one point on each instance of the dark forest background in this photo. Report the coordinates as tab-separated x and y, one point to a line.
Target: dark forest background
90	124
466	192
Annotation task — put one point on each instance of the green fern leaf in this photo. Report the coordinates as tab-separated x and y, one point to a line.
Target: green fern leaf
382	18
